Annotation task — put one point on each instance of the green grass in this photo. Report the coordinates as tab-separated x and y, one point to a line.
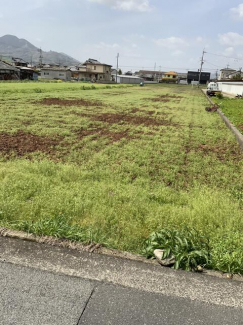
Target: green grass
233	109
173	166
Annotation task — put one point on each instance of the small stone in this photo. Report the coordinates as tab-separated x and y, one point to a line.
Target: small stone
170	261
199	268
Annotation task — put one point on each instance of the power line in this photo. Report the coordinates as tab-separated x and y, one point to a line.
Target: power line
152	67
224	56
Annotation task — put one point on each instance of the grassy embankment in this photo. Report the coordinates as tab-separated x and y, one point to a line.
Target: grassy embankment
233	109
113	165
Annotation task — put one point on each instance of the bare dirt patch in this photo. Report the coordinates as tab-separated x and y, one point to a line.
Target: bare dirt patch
111	118
136	110
105	132
117	94
166	98
68	102
22	143
223	151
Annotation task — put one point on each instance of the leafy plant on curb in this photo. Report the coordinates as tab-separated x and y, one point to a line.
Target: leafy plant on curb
219	95
189	248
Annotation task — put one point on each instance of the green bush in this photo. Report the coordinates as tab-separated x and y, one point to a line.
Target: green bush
220	95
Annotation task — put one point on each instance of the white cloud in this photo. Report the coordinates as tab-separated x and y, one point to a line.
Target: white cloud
199	39
177	53
237	12
126	5
229	51
172	43
103	45
231	39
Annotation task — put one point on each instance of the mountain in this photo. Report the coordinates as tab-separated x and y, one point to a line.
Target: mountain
12	46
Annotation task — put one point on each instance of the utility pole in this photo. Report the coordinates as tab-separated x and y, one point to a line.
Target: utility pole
40	58
240	69
216	74
154	71
117	65
202	62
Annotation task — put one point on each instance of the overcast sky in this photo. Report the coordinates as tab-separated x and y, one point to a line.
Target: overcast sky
171	34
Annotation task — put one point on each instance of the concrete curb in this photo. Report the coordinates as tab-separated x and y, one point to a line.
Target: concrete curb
63	243
97	249
233	129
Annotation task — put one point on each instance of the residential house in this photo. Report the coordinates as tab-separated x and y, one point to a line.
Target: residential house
101	71
182	76
225	73
18	62
114	73
237	75
150	75
8	71
170	77
56	74
92	70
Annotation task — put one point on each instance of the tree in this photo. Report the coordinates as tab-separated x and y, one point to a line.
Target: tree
237	77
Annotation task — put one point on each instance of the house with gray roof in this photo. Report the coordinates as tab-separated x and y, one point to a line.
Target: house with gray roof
56	74
8	72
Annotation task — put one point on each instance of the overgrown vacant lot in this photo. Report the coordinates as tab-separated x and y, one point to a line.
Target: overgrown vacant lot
113	165
233	109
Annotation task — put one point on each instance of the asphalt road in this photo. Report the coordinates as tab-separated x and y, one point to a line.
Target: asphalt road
33	293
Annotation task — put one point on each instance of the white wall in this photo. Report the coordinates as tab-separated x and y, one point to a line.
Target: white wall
233	88
121	79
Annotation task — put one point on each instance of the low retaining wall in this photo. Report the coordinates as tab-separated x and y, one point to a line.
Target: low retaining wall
232	88
233	129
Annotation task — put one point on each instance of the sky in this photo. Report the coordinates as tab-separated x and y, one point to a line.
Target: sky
147	34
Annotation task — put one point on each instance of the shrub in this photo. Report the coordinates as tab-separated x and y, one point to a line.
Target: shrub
220	95
189	248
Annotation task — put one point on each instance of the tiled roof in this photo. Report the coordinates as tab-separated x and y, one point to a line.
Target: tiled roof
6	66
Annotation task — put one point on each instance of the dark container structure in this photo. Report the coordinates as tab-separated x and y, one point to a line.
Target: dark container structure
194	76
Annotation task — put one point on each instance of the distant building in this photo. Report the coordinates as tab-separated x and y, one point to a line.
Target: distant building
56	74
225	73
92	70
28	73
237	75
8	72
114	73
182	76
18	62
101	71
123	79
194	76
170	77
150	75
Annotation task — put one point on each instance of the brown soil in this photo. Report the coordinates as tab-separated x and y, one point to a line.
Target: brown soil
22	143
68	102
104	132
240	127
117	94
223	151
165	98
135	120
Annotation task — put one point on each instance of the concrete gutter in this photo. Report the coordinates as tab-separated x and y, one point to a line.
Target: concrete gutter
233	129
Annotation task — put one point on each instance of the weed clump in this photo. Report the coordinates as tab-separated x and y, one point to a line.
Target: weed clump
188	247
191	250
